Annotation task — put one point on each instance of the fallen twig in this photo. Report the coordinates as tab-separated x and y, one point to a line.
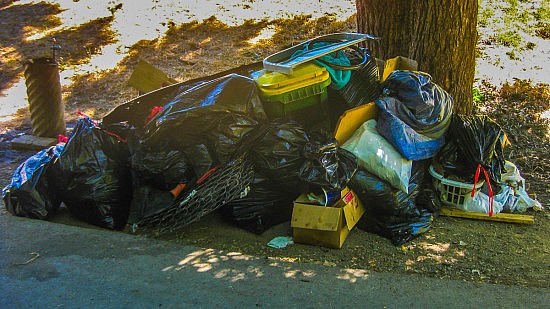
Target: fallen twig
35	256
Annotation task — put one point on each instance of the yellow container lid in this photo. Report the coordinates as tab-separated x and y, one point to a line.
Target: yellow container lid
274	83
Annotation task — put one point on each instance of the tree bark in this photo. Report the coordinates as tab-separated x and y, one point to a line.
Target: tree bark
440	35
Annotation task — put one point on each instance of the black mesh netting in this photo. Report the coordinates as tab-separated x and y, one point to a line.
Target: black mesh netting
224	185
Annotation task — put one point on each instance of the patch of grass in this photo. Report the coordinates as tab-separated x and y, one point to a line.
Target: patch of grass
530	46
510	10
512	55
479	52
543	30
484	16
115	7
509	38
513	15
523	17
478	96
542	13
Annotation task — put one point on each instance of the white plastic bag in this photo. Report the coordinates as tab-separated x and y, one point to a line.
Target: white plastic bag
480	203
516	199
524	202
512	193
511	198
379	157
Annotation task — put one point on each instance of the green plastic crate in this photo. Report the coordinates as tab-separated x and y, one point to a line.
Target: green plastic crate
301	97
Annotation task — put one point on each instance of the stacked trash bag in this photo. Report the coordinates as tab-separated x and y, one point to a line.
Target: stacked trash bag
394	153
170	157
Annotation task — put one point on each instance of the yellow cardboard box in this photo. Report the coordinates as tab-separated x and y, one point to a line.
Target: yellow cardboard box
398	63
352	119
322	225
329	226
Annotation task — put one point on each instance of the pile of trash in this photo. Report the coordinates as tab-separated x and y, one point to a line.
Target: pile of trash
260	147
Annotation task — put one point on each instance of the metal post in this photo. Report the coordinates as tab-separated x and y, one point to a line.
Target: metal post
44	94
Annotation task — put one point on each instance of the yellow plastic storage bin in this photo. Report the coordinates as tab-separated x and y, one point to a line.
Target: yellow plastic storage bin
301	96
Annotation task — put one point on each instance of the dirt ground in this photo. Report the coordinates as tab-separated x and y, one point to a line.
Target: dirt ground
454	248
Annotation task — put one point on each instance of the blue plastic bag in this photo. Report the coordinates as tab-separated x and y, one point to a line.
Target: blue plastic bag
411	144
415	114
31	192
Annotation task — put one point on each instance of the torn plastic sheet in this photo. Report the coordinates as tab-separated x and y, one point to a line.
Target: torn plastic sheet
280	242
207	122
135	112
226	103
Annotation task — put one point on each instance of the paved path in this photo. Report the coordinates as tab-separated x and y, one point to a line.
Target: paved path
90	268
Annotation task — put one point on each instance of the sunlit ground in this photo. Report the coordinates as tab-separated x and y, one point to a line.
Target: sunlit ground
147	20
221	265
13	99
497	67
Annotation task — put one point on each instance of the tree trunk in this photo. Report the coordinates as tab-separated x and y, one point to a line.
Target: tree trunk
440	35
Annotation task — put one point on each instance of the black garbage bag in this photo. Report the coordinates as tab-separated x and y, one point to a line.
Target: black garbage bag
278	156
451	164
327	165
31	192
294	159
364	85
137	111
480	142
415	114
148	201
121	130
382	199
389	212
265	206
162	168
93	178
398	230
194	112
207	122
